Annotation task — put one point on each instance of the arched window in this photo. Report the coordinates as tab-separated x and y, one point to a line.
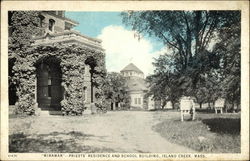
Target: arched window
41	19
51	24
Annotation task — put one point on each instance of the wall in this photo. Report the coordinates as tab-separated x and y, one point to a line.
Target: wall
132	74
137	95
59	23
151	103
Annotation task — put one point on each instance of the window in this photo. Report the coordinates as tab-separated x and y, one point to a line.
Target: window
51	24
41	19
139	101
49	91
135	100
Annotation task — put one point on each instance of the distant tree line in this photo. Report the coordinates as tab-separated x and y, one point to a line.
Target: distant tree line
204	54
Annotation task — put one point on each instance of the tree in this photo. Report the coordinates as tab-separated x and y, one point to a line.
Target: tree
228	47
189	35
115	90
163	90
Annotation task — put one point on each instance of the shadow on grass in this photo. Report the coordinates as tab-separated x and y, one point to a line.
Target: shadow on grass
55	142
206	110
209	134
224	125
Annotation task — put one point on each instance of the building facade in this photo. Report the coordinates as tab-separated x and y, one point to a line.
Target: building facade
68	67
137	88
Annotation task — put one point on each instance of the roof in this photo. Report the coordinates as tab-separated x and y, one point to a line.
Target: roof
131	67
136	84
68	37
63	17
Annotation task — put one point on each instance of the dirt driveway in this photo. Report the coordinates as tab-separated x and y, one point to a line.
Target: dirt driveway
121	131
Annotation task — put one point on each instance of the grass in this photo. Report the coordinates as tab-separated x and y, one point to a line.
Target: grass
52	134
208	133
51	143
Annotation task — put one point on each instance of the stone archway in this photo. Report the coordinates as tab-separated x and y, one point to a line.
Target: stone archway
49	90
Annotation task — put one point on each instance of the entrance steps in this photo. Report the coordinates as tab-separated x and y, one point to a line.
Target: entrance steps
46	112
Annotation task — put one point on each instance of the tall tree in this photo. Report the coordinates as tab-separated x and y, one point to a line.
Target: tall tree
228	47
190	35
163	90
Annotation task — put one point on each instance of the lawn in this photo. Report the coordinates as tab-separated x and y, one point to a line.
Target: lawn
208	133
51	143
125	131
52	134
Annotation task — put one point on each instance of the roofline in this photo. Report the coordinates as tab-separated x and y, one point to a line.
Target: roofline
68	32
131	70
65	18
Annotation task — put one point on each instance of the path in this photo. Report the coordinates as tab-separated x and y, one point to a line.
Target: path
122	131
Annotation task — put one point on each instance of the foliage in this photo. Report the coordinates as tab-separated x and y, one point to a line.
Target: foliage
115	89
193	66
229	49
24	26
72	66
163	90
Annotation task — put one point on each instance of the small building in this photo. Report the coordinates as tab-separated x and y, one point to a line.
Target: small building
137	88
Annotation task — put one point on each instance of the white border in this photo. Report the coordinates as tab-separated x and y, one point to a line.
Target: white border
120	6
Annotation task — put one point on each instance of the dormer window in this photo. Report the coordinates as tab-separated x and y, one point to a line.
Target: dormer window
51	24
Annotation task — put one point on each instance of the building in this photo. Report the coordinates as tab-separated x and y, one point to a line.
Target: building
137	88
65	63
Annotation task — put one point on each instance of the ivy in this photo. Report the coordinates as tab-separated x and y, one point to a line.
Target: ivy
72	63
24	25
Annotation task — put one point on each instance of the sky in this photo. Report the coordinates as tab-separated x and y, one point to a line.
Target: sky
120	44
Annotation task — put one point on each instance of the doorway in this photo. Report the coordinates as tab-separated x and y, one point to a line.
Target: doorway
49	89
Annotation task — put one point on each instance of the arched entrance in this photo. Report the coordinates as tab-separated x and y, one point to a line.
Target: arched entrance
90	64
49	89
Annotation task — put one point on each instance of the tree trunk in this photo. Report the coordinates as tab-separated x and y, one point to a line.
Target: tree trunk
200	105
163	104
112	107
233	109
172	102
238	107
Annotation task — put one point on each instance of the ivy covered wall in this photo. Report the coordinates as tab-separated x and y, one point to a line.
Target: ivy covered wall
72	62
